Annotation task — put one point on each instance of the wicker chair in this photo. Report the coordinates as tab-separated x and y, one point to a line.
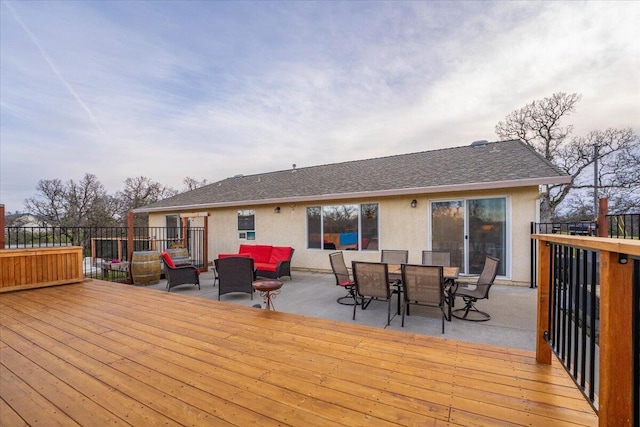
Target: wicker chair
372	283
442	258
472	292
423	285
184	274
343	278
235	274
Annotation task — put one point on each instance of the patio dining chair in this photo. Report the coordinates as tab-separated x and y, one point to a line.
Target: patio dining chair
442	258
372	283
394	256
343	278
472	292
423	285
235	274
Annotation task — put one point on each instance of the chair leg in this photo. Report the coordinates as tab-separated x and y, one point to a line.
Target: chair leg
404	309
348	299
345	300
470	307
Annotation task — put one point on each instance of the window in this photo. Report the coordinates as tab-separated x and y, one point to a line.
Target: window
246	224
173	226
343	227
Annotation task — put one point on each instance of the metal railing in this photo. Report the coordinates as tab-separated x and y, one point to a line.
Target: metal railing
623	226
589	317
574	314
104	244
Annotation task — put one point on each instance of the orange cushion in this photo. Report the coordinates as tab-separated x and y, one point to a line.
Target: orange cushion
167	260
279	253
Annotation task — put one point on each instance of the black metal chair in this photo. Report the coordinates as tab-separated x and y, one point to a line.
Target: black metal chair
472	292
185	274
372	283
235	274
343	278
423	285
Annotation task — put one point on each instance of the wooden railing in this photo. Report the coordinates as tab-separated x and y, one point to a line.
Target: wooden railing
39	267
616	395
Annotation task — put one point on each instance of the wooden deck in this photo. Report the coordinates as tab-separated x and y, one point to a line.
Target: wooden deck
99	353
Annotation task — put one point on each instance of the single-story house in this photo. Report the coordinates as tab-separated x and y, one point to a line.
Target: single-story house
472	200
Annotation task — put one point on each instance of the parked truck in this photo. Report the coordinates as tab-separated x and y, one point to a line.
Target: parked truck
583	228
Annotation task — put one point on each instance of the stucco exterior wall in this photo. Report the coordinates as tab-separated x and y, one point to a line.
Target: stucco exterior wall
400	227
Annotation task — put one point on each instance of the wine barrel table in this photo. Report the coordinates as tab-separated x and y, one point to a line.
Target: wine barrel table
145	267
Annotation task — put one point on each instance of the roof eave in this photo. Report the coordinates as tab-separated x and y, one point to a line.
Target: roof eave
369	194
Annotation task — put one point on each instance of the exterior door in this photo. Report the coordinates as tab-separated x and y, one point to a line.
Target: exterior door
470	230
487	233
447	230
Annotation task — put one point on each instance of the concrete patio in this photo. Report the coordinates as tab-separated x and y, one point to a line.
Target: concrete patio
512	309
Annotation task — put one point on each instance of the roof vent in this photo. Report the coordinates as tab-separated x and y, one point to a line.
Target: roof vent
294	168
479	143
238	175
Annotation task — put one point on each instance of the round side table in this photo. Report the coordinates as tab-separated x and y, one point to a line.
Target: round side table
268	290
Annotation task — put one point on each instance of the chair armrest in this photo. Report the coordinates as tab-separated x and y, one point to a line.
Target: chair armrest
185	266
284	267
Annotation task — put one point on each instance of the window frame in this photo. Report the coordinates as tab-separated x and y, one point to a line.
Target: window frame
310	243
245	233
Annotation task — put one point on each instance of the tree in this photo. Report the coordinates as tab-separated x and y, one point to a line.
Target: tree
138	192
538	124
72	204
192	183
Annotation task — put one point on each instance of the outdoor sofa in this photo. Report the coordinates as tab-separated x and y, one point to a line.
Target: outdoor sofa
273	262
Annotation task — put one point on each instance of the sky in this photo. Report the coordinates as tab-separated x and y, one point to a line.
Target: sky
212	89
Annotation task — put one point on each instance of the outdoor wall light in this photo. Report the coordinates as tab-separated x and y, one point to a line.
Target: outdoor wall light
277	209
414	203
623	259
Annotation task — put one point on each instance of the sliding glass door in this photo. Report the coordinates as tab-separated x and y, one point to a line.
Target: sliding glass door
471	229
447	230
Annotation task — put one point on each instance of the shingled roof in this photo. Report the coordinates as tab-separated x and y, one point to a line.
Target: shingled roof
504	164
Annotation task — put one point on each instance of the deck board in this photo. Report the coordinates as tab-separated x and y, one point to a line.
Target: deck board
99	353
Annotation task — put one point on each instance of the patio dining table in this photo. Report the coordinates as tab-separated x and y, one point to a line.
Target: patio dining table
449	273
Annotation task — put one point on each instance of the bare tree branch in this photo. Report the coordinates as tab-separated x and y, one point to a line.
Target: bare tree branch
539	125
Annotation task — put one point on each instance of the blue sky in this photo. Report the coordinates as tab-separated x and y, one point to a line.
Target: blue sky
211	89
